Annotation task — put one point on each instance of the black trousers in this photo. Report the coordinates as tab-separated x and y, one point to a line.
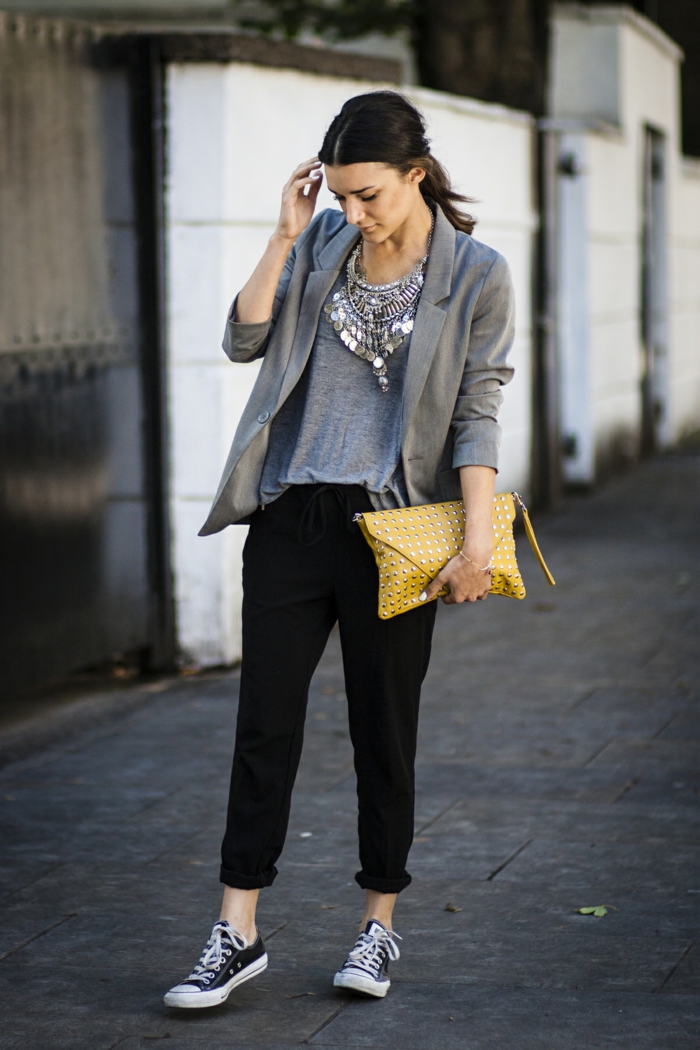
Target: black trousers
306	566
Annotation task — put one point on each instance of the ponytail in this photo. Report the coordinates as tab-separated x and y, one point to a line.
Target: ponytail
437	186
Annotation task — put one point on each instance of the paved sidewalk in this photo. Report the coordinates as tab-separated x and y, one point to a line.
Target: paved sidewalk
558	769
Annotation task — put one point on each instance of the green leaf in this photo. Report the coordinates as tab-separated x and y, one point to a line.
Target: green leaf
585	911
336	20
599	910
602	910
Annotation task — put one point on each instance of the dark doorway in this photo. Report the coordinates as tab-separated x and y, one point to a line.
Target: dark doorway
653	294
83	558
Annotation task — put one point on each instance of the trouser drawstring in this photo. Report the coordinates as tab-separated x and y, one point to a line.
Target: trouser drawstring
314	520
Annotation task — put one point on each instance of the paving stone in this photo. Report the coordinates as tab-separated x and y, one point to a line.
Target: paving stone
473	780
684	979
102	1012
441	1018
610	867
557	769
579	821
492	905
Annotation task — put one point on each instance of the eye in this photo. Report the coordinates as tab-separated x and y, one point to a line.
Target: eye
368	198
337	198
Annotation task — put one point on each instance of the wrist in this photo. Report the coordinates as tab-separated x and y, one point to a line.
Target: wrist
479	552
281	240
483	565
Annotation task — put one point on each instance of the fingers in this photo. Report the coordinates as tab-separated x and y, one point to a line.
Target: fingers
454	596
307	165
294	190
433	587
470	597
311	180
303	170
299	198
315	186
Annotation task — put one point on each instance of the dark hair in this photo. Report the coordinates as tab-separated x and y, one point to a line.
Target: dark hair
384	127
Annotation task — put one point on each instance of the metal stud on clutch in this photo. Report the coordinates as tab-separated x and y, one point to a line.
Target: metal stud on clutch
372	320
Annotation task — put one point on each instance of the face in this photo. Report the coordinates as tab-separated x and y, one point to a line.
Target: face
375	197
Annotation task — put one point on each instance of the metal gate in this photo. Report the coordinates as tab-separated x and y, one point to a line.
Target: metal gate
83	551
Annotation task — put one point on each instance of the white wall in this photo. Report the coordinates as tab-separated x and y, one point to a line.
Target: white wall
615	73
573	308
684	303
234	133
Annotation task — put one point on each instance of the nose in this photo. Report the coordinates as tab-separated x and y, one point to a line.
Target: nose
354	212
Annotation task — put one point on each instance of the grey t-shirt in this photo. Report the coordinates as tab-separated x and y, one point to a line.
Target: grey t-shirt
337	427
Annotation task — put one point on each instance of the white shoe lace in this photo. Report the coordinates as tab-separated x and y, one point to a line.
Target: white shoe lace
216	953
372	950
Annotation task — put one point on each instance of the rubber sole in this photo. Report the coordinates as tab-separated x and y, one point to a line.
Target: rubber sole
202	1000
364	985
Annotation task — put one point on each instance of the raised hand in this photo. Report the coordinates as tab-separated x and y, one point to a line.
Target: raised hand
254	302
297	204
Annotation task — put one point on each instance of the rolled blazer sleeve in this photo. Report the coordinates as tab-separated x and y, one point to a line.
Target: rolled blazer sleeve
246	342
476	433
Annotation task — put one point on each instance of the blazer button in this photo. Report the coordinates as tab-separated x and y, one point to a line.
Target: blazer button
263	417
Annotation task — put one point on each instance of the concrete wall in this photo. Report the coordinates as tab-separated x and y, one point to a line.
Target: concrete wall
235	131
615	75
684	303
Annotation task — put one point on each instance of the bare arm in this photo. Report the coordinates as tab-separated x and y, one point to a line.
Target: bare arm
465	575
254	303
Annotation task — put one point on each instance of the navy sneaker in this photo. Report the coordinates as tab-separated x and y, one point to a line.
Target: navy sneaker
227	961
366	968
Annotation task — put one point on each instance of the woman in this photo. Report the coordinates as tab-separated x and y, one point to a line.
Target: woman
384	330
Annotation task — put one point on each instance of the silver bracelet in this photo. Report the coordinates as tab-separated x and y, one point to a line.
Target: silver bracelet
481	568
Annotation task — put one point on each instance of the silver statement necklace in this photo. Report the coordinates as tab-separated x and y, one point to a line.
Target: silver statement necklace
373	319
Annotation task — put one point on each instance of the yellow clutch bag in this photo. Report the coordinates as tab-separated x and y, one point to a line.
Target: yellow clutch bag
412	544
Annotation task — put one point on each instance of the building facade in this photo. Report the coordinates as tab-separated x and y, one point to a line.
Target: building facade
162	154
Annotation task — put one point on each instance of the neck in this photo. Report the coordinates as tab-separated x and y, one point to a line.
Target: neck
402	249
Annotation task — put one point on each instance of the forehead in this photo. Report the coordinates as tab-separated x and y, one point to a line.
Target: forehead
353	178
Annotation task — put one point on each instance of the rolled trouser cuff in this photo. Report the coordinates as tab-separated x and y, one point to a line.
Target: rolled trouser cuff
247	882
369	882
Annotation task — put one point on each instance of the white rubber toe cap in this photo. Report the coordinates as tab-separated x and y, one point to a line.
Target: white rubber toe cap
357	982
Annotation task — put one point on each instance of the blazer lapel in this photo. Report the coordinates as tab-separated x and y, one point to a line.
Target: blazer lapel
318	284
429	316
333	255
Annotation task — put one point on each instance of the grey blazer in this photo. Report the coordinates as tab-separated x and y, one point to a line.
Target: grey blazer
457	362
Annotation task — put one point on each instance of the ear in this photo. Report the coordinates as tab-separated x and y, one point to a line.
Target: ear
416	175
